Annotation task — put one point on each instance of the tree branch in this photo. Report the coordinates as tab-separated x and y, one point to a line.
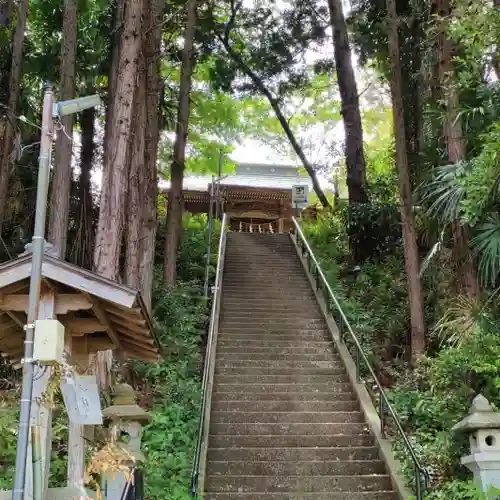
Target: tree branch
277	110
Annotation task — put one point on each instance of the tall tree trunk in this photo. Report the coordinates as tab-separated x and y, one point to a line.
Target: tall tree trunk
496	56
6	9
141	227
109	235
136	173
84	239
281	118
175	198
150	190
354	154
457	152
6	119
407	216
61	181
118	7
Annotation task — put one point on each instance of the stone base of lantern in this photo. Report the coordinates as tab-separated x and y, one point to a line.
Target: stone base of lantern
485	467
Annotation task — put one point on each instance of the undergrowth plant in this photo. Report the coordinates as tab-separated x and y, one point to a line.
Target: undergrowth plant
461	360
174	384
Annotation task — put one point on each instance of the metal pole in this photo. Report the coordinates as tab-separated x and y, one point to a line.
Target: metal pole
34	293
217	198
209	239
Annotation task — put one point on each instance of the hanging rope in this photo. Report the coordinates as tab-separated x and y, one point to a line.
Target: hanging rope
252	227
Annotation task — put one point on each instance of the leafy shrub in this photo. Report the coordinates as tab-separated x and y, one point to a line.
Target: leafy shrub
174	383
461	362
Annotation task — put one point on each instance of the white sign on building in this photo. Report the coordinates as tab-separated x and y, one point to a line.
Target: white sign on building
300	195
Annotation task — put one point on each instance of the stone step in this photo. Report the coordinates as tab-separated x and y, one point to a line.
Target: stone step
332	495
273	330
332	387
285	417
284	396
299	378
292	371
274	343
265	283
286	406
270	318
266	267
288	441
274	302
298	468
292	454
247	348
267	293
274	337
274	357
250	314
298	308
248	287
279	257
270	429
260	264
285	364
248	276
271	323
270	484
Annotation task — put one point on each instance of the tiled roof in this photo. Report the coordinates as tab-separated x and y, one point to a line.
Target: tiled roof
253	175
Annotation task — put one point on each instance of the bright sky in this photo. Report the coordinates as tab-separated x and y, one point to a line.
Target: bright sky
321	147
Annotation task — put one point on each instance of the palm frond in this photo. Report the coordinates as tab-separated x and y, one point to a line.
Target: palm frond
443	194
459	322
486	246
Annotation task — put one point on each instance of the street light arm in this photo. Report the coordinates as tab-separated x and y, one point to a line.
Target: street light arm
71	106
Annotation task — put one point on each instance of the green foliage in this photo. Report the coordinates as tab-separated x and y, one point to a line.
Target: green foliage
174	383
169	440
9	419
374	229
462	490
461	362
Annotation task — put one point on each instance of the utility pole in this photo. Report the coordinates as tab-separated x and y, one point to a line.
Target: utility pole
217	189
49	112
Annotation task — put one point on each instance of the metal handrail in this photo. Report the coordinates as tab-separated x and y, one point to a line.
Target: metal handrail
421	474
214	319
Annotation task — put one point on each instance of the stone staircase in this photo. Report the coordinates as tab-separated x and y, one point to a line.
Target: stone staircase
285	422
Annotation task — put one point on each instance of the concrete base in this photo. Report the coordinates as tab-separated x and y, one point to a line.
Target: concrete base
485	467
68	493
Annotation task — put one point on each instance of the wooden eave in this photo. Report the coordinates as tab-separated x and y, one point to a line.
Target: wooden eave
237	193
99	313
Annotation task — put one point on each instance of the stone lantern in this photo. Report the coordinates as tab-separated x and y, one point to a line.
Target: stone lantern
127	419
482	425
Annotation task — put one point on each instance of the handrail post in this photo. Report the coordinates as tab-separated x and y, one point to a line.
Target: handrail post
358	370
382	415
418	484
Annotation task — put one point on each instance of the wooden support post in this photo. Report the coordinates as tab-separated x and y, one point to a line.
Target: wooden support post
41	412
281	222
76	442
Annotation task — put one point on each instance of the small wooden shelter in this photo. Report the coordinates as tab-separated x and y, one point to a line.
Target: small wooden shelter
98	313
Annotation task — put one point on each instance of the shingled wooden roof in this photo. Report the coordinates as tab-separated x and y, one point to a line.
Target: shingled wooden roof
99	313
237	193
